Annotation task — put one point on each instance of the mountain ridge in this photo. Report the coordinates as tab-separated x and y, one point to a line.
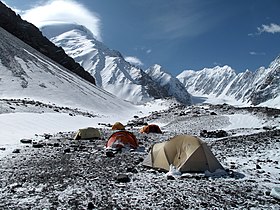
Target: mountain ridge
26	73
32	36
131	83
111	71
170	84
107	68
252	88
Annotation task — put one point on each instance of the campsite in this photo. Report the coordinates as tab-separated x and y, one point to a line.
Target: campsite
171	114
68	173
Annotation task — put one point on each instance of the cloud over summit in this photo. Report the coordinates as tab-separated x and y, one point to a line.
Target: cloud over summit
68	11
134	60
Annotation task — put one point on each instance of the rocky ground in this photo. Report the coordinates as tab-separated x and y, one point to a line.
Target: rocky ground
67	174
27	105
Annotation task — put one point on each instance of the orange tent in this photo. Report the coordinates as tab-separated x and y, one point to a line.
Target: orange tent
152	128
120	139
118	126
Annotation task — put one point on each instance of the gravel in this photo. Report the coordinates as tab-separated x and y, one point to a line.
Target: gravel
68	174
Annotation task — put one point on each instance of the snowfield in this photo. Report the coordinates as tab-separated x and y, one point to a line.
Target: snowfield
69	174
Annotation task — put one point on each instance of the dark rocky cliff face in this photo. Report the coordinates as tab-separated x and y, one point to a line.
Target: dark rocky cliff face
269	88
31	35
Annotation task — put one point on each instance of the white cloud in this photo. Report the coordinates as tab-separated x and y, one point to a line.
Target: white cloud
134	61
256	53
68	11
148	51
272	28
143	49
217	64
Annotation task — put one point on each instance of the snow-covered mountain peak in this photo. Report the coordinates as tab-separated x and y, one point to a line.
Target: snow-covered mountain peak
224	84
218	70
156	67
159	74
275	63
207	80
107	66
131	83
53	29
26	73
75	39
170	84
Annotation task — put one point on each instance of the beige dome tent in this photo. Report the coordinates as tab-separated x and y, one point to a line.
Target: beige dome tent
186	153
87	133
118	126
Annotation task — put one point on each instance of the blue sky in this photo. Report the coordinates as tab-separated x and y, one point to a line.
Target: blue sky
177	34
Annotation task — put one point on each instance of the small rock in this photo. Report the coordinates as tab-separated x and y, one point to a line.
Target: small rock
204	204
258	166
213	113
139	160
122	178
169	177
56	145
37	145
68	150
16	151
26	141
267	193
232	167
132	170
47	136
90	206
110	153
267	128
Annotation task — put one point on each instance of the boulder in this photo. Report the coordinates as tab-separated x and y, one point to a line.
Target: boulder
123	178
26	141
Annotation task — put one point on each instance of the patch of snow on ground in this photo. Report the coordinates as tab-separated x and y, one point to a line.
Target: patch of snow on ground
243	121
16	126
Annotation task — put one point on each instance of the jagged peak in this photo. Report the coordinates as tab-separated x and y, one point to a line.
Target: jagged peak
157	68
247	71
57	31
225	68
54	28
275	62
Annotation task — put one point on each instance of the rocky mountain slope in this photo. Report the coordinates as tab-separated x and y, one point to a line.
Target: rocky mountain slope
26	73
108	66
168	83
31	35
246	87
66	174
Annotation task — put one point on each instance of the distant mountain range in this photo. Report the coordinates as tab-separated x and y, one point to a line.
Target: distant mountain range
131	83
224	83
110	69
74	47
